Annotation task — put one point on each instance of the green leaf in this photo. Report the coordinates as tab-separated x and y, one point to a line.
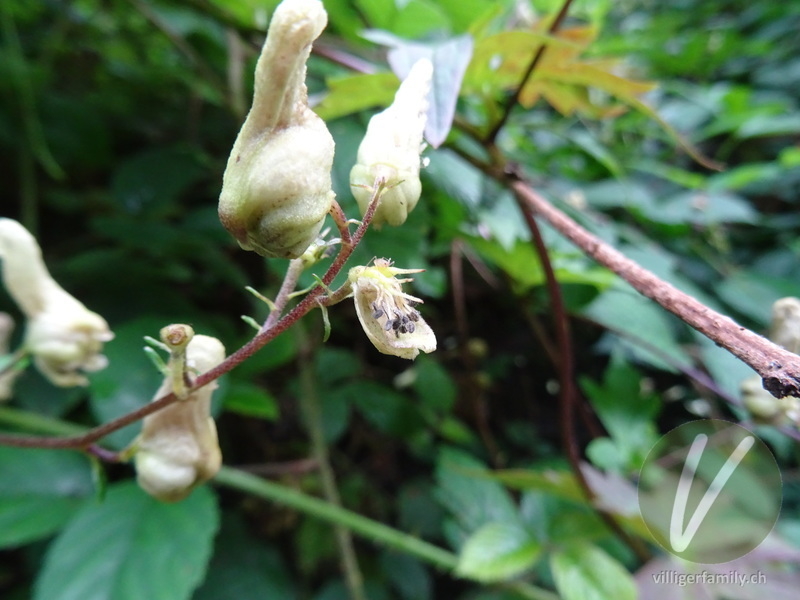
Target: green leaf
753	293
131	547
417	18
40	490
627	413
407	574
471	498
251	400
550	481
385	408
155	179
585	572
623	310
433	384
242	567
355	93
497	551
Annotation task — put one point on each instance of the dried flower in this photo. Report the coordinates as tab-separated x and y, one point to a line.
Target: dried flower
391	150
276	189
387	313
63	336
178	447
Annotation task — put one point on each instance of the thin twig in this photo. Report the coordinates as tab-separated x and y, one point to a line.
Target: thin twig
566	374
779	368
512	101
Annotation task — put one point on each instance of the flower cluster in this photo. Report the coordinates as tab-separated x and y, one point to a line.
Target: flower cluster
178	447
63	336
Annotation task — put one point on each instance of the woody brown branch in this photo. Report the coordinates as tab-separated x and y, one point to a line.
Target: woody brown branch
778	368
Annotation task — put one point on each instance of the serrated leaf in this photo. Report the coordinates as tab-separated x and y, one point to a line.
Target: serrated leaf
585	572
497	551
131	547
40	490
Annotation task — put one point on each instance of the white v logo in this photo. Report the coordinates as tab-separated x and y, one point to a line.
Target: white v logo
679	538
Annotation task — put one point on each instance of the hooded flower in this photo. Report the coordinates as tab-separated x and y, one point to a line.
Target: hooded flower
276	189
387	313
391	150
63	336
178	448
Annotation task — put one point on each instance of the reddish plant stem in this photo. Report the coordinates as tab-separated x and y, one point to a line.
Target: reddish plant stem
778	368
260	340
566	375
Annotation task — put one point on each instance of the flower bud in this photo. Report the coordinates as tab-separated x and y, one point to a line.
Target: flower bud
391	150
387	313
62	335
276	189
178	447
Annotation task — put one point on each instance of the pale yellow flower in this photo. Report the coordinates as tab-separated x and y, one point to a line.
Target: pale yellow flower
276	189
178	447
391	150
63	336
387	313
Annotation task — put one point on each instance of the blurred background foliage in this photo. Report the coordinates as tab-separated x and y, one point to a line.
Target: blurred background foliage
116	119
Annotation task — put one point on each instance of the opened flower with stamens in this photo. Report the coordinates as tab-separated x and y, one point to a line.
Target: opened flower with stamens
387	313
64	337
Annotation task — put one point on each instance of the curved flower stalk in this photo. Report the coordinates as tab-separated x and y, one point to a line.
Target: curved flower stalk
276	189
391	150
387	313
785	331
63	336
178	447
